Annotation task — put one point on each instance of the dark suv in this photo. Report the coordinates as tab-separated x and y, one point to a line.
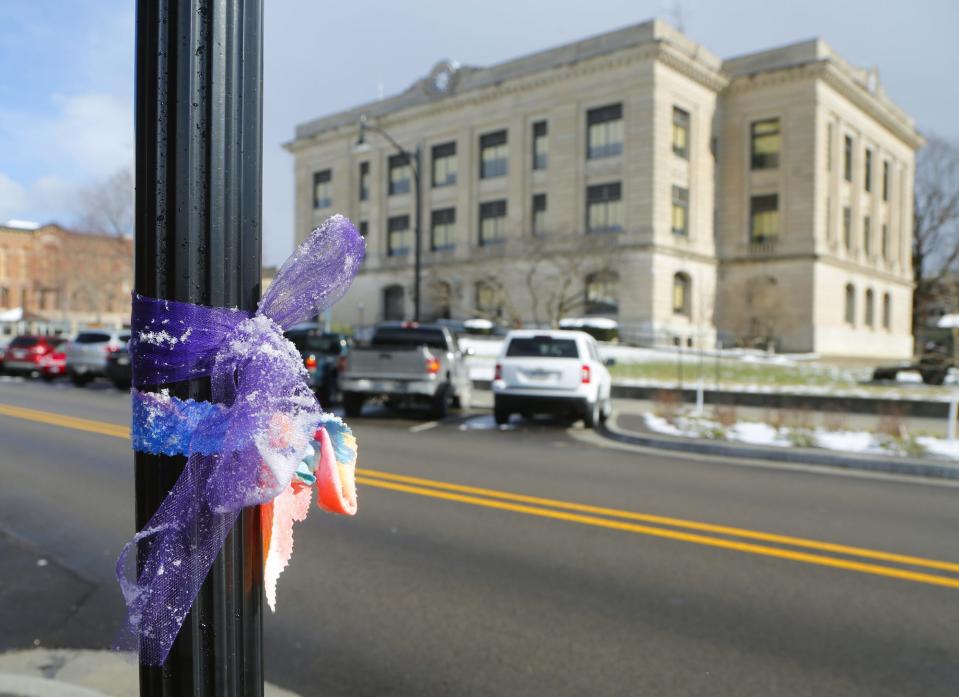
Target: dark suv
321	355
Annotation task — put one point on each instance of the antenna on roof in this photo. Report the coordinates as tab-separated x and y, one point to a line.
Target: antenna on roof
675	14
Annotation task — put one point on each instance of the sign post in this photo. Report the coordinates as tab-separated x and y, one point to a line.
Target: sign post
199	74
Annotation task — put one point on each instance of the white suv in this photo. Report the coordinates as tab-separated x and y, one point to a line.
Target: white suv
554	372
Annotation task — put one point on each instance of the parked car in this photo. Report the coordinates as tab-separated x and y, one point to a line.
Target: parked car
407	363
321	355
87	354
53	365
551	372
118	367
25	354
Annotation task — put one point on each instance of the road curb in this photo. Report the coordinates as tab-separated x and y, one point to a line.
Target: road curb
798	456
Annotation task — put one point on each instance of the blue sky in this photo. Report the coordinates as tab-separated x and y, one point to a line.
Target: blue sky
66	70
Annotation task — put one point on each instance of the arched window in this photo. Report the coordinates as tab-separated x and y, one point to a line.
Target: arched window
870	308
4	297
393	303
602	293
886	311
440	296
681	290
489	299
850	304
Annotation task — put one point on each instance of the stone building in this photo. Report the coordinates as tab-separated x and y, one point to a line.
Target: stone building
54	280
633	175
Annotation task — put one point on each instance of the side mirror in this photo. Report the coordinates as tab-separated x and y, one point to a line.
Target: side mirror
609	361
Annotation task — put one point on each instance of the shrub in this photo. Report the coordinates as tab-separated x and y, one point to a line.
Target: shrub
725	415
666	405
801	438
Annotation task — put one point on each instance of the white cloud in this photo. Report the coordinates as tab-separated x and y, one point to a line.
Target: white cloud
93	131
12	197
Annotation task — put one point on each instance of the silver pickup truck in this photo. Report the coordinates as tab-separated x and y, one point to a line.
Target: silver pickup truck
406	363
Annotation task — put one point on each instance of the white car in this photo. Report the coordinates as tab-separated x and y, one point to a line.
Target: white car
551	372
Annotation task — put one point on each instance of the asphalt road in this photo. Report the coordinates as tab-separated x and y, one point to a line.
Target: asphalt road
439	590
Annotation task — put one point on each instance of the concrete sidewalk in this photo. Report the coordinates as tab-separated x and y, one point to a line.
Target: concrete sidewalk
76	673
628	426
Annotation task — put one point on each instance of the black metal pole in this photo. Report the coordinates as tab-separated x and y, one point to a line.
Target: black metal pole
417	242
199	73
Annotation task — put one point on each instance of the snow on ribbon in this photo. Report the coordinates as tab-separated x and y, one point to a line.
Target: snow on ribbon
262	440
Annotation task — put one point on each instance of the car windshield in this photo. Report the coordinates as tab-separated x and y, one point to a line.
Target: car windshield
433	338
91	338
542	347
24	342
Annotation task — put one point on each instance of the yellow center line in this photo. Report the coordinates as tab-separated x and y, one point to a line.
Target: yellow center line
747	547
674	522
46	417
502	500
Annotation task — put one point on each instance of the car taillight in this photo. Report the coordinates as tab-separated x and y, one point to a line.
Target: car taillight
432	365
584	374
38	349
111	349
498	372
310	362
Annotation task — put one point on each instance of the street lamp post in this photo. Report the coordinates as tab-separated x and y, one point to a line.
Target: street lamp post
413	158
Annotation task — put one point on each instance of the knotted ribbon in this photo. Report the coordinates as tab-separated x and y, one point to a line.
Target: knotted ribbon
262	440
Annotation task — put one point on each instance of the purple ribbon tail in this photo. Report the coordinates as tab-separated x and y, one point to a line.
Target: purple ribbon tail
176	548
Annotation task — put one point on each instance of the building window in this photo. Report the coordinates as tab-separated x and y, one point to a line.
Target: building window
4	297
323	189
681	132
602	293
364	181
489	299
681	288
398	236
850	304
886	311
885	180
847	227
364	229
393	302
847	159
444	164
539	214
765	144
604	131
494	153
870	309
867	174
680	211
540	145
399	172
492	222
884	250
764	218
442	229
828	218
604	208
867	235
829	147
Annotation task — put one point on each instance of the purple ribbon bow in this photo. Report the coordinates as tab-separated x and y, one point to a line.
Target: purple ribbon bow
265	417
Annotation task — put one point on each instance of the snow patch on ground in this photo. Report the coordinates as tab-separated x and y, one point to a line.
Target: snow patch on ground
485	423
758	433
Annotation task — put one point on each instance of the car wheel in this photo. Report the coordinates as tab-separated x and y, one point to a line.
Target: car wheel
79	380
606	411
501	416
353	403
442	401
592	415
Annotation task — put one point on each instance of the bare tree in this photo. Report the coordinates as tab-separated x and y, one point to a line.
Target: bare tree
557	268
107	206
935	243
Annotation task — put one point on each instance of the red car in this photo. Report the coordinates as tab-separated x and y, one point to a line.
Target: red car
25	354
54	364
